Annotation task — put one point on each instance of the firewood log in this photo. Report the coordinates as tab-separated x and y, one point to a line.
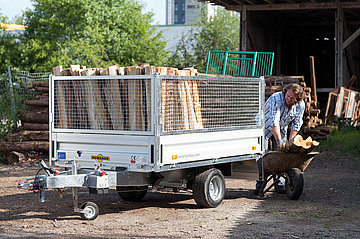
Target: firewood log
40	84
29	136
34	126
42	89
42	146
38	103
37	115
299	145
15	157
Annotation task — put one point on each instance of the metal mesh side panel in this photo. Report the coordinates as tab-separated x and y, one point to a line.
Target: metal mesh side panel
98	104
264	64
215	62
211	104
240	63
239	66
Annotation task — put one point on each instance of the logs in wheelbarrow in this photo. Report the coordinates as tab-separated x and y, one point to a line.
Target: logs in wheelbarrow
289	165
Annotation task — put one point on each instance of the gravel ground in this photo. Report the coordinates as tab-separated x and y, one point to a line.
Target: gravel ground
328	208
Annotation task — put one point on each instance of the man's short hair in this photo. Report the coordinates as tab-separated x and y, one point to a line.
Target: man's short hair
297	89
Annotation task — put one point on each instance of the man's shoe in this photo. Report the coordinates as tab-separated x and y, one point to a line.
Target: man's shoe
280	186
258	186
280	189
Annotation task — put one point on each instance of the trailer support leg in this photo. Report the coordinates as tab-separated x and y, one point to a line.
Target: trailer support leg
75	195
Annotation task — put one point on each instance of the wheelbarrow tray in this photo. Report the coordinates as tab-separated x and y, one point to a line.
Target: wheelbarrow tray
278	161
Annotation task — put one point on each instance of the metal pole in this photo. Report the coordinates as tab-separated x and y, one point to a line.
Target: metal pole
12	98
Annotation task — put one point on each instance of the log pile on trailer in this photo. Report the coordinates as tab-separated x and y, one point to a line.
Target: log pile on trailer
128	102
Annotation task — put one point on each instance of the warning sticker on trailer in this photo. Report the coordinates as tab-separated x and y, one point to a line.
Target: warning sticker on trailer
100	158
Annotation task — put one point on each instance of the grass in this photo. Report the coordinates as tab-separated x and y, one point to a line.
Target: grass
346	141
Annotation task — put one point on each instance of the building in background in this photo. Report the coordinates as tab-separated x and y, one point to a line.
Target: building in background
186	11
181	16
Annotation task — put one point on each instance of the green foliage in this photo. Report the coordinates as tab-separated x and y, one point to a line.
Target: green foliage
344	140
85	32
219	32
6	113
9	50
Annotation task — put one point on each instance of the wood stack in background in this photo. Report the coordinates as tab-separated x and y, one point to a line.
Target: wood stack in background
313	126
33	134
343	103
125	104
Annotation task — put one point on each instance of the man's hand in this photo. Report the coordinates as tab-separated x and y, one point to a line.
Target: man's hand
281	145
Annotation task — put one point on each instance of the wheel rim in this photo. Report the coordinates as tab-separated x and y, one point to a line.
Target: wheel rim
89	211
290	183
215	188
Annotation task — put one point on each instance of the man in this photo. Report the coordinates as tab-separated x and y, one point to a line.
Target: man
281	110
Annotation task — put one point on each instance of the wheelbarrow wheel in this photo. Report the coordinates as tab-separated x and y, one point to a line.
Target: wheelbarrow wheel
294	183
209	188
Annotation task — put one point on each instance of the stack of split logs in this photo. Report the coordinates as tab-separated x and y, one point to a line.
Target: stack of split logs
313	126
33	134
126	104
343	103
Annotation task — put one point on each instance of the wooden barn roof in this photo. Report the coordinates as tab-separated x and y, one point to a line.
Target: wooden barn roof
269	5
315	9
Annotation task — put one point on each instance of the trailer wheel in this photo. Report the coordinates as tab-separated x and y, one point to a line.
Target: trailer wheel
294	183
209	188
132	193
89	211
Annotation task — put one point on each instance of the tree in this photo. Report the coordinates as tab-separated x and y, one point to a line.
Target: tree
91	33
9	47
217	32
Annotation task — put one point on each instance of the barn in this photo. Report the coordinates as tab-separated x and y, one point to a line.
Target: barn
295	30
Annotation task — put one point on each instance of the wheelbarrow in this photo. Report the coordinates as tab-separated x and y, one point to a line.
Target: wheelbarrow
289	165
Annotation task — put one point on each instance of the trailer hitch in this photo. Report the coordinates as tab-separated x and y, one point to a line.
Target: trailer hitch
38	182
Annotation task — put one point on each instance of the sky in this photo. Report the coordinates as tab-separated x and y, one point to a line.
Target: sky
11	8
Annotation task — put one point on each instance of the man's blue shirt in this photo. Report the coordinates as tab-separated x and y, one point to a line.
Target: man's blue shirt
278	114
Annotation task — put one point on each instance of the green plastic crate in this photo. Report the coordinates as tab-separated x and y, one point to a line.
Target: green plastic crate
240	63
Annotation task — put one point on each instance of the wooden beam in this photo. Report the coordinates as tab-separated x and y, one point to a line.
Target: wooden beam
295	6
313	78
250	2
339	33
243	30
351	38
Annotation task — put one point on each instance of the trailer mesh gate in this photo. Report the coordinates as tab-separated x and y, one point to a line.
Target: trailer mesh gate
187	103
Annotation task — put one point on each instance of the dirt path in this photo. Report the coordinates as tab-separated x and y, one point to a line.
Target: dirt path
328	207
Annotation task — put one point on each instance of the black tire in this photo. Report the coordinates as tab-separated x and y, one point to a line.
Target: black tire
209	188
132	193
294	183
90	211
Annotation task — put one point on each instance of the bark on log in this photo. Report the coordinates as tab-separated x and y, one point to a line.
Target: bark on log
37	103
29	136
324	129
40	84
42	97
34	126
42	89
35	116
42	146
15	157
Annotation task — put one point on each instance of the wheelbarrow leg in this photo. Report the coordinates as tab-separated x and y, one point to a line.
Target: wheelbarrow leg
267	179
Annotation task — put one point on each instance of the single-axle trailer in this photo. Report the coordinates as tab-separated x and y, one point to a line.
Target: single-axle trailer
141	132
